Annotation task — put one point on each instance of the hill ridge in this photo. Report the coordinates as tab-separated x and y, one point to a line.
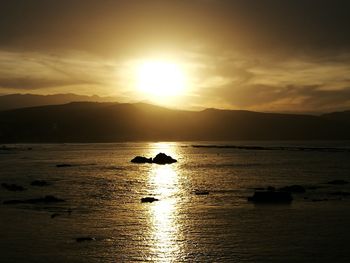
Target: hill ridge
114	122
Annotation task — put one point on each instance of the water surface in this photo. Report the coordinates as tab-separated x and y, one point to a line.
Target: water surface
103	189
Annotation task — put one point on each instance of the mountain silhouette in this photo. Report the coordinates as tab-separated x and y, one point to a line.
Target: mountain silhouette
15	101
113	122
343	116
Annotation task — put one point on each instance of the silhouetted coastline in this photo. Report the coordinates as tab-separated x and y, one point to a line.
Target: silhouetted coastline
120	122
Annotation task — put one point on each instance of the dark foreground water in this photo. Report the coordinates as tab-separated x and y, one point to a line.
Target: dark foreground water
103	188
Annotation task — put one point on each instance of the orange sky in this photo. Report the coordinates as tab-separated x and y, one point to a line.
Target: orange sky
257	55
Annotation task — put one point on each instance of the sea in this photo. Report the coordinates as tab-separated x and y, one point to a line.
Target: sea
202	213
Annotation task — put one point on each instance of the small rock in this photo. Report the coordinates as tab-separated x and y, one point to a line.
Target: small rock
13	187
319	199
13	202
39	183
198	192
271	197
44	200
148	199
162	158
51	199
83	239
141	159
270	188
340	193
55	215
338	182
6	148
293	189
313	187
63	165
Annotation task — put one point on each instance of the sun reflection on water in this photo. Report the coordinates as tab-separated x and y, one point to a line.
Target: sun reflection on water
164	214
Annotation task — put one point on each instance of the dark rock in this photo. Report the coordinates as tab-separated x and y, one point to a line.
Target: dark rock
141	159
319	200
6	148
338	182
46	199
340	193
313	187
162	158
63	165
148	199
293	189
273	197
13	202
13	187
270	188
84	239
198	192
39	183
42	200
55	215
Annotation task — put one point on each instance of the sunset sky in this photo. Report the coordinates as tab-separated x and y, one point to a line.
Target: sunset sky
264	55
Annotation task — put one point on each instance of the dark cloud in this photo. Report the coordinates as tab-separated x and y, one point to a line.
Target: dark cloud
247	96
288	98
268	55
327	100
116	27
26	83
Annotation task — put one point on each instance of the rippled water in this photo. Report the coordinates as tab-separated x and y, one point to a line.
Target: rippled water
103	189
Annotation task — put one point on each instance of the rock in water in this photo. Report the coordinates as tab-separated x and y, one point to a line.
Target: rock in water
42	200
63	165
338	182
141	159
46	199
201	192
271	188
293	189
148	199
83	239
271	197
340	193
13	187
39	183
162	158
55	215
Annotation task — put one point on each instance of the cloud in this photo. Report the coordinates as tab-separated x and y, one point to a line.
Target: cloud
282	98
25	71
261	55
298	84
34	84
128	26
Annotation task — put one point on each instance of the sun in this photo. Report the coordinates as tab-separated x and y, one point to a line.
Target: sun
160	79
